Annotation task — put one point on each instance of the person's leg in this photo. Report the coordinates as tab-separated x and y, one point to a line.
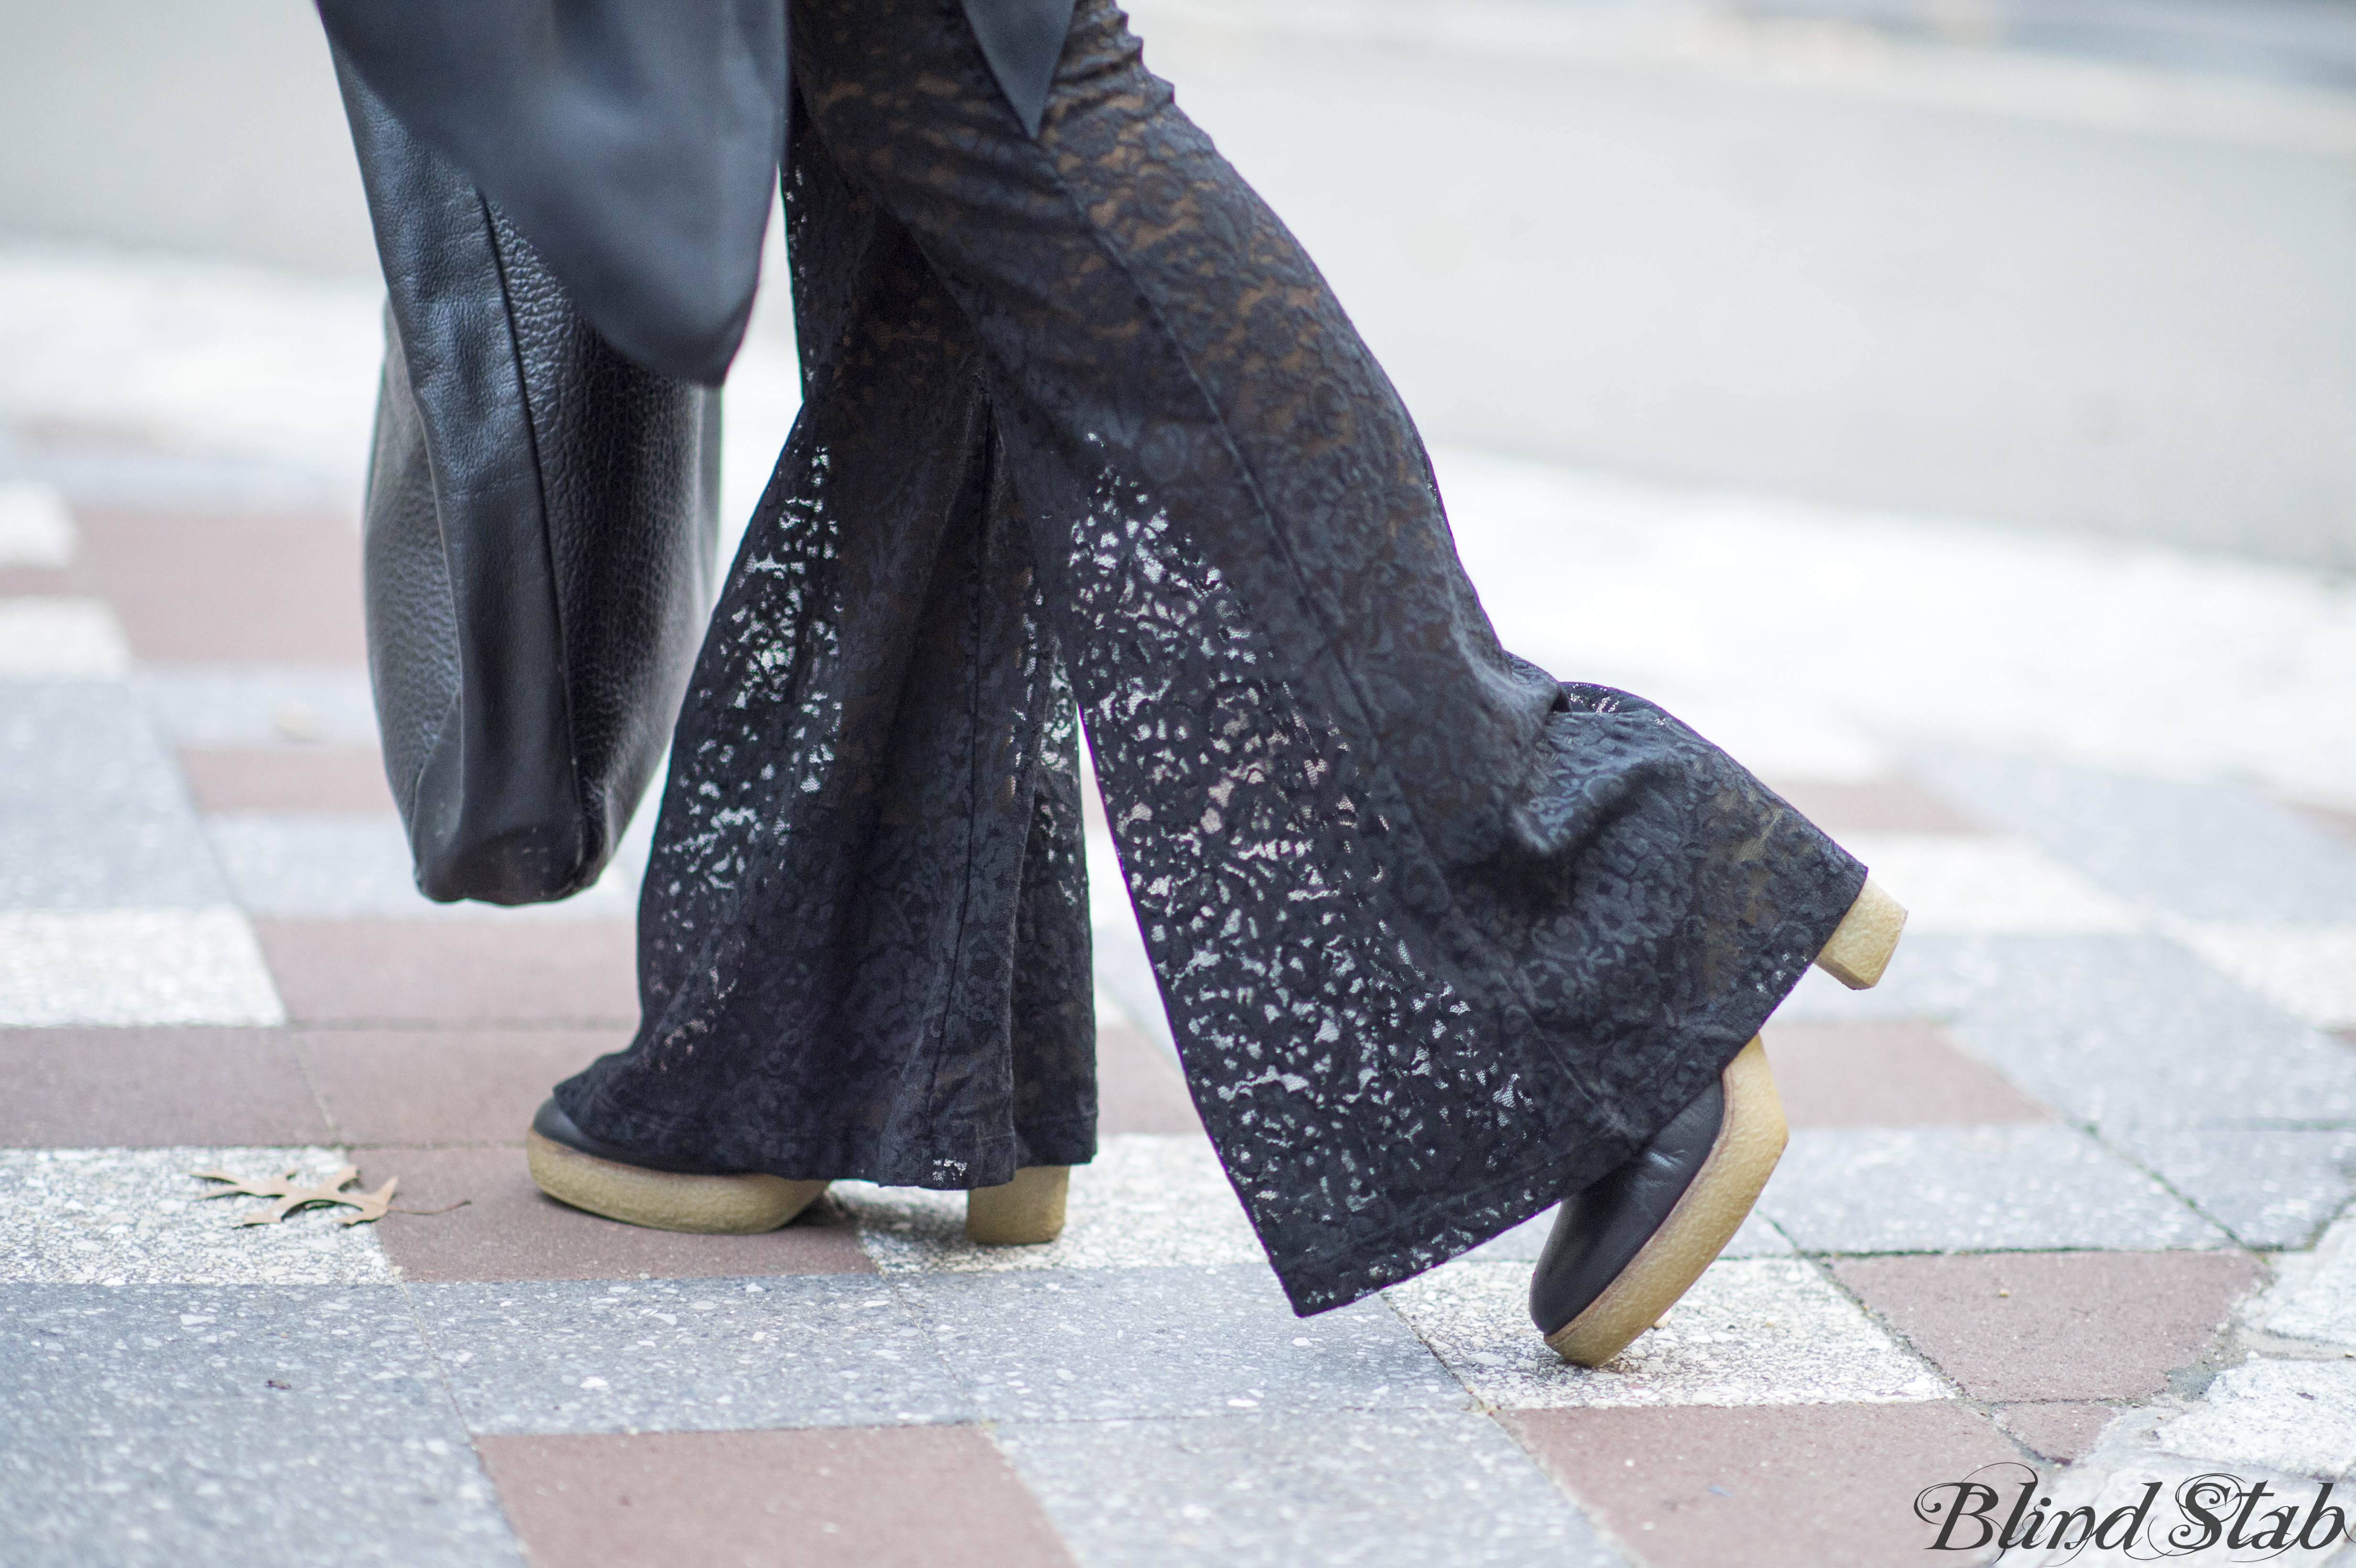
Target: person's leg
1441	940
864	941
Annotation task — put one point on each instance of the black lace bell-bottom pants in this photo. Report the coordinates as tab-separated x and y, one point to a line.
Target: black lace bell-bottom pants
1086	437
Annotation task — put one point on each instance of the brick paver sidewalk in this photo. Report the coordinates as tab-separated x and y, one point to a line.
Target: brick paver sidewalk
2054	1194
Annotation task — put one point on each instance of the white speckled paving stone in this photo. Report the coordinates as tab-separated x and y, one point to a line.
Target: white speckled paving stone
1524	1242
36	529
2309	971
1408	1488
1951	883
696	1355
1756	1331
61	639
2294	1416
2314	1297
1938	1189
121	967
237	1426
1147	1201
137	1217
1109	1344
2116	1473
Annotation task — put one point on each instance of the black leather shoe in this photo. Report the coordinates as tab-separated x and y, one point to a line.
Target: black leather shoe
1623	1250
573	1167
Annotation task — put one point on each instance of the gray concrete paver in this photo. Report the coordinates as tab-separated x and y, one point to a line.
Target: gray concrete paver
2198	851
190	1426
1106	1344
2130	1030
2275	1187
340	864
685	1355
93	814
1391	1488
83	746
259	705
1936	1189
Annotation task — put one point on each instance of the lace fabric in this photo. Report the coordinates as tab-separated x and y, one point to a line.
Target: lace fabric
1440	938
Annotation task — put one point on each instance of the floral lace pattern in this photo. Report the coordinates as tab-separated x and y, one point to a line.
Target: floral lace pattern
1440	938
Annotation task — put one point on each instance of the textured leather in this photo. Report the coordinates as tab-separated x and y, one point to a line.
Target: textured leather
1020	41
1600	1230
537	543
635	142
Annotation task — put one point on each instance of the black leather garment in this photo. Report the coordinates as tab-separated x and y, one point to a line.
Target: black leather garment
1599	1229
539	531
634	143
1443	938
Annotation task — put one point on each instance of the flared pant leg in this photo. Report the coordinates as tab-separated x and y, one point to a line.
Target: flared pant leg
1440	938
862	939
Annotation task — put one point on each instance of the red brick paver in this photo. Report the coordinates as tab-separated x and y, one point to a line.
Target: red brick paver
1876	806
1809	1486
2064	1430
2338	821
2056	1326
446	971
1139	1090
444	1086
509	1230
920	1497
1887	1073
90	1088
36	582
287	778
257	588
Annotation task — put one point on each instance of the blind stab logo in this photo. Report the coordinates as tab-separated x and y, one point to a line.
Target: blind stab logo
1972	1514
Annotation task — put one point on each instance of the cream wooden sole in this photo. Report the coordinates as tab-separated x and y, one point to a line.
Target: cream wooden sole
1868	934
662	1201
1750	1138
1025	1212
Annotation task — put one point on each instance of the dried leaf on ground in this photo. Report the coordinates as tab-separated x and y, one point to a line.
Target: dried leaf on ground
291	1195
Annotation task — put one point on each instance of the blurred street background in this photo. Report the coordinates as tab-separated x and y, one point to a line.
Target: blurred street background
1948	406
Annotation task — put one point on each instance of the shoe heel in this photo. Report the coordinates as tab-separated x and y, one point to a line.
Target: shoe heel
1861	945
1025	1212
